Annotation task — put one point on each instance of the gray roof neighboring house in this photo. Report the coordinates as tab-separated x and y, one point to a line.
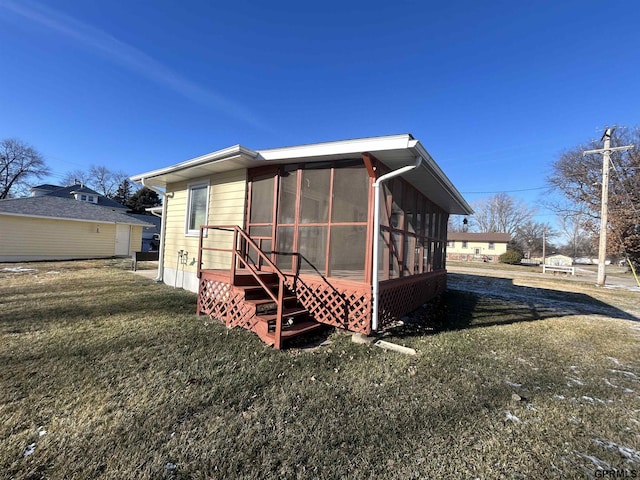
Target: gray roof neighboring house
49	206
70	192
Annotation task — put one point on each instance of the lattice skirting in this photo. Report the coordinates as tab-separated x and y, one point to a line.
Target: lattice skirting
220	300
339	305
403	295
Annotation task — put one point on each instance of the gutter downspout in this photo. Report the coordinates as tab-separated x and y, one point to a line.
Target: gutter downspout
163	228
376	234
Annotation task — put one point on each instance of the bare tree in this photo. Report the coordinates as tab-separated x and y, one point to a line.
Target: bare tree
500	213
106	181
98	177
77	176
457	224
580	240
579	180
19	163
529	237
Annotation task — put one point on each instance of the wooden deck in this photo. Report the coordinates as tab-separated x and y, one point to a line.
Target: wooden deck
311	300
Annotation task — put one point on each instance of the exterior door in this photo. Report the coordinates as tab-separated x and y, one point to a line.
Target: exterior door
123	239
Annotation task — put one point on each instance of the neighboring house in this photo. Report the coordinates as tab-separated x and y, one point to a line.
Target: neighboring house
77	192
151	233
476	247
292	233
49	227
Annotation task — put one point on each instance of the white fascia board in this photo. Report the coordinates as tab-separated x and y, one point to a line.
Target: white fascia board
342	147
430	164
226	153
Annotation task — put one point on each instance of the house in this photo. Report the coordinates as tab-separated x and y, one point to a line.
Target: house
280	240
476	247
76	191
150	233
51	227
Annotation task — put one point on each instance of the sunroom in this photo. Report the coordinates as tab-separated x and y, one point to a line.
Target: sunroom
349	233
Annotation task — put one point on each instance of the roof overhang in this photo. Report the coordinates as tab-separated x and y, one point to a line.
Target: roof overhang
395	151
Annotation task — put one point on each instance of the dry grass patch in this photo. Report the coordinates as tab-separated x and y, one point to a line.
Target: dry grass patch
109	375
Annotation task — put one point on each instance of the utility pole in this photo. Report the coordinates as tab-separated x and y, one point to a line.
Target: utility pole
602	245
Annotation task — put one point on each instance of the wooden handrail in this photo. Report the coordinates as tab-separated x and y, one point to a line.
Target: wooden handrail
237	256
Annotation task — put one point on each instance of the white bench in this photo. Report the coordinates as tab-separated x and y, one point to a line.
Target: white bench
558	269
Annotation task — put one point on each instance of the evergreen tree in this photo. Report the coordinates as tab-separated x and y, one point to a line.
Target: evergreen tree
123	193
143	198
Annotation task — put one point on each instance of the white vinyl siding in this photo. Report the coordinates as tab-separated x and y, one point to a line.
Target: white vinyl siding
28	238
226	206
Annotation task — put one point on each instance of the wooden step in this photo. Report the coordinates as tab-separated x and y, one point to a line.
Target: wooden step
296	329
286	314
246	278
267	305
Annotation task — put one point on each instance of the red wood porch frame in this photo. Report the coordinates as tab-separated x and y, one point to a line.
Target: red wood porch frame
271	227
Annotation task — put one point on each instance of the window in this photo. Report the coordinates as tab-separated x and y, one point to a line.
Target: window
451	243
197	210
492	246
464	244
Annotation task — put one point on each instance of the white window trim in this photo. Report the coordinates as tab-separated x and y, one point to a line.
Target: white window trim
190	188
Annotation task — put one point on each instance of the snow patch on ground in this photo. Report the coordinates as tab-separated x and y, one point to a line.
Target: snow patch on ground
512	384
627	374
601	464
18	269
29	450
536	299
512	417
628	453
574	381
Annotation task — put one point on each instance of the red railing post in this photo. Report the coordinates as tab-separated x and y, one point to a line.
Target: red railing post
233	254
277	342
199	274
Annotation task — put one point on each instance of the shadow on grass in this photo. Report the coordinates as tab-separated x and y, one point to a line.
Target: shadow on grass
473	301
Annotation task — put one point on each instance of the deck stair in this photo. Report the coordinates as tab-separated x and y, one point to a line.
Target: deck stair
296	319
262	302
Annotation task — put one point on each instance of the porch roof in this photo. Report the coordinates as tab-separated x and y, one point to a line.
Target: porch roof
395	151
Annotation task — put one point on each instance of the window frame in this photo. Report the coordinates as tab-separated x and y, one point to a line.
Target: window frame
191	232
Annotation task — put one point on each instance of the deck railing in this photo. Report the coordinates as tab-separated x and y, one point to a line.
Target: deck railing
240	255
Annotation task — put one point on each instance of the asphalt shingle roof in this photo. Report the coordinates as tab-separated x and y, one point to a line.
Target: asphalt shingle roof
71	190
68	208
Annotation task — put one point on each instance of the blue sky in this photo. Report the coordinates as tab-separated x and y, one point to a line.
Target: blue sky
495	90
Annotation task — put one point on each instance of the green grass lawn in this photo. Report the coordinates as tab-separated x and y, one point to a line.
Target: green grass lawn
105	374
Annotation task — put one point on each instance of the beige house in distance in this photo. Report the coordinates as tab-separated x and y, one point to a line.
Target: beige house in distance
476	247
54	228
